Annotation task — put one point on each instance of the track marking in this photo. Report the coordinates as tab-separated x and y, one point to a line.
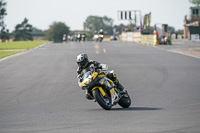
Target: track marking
97	48
104	50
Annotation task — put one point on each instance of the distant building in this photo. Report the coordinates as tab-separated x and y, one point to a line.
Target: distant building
192	25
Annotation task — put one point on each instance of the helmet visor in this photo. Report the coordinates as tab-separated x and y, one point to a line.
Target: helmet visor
82	64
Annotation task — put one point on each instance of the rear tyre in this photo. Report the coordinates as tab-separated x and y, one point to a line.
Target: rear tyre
103	101
125	101
100	40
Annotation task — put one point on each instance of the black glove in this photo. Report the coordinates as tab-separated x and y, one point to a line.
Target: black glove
79	77
79	70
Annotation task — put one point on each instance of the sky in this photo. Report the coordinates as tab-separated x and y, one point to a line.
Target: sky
42	13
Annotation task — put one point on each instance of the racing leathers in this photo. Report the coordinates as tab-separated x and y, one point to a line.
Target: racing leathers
97	65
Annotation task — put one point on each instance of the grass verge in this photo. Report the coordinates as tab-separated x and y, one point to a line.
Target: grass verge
8	53
17	47
20	45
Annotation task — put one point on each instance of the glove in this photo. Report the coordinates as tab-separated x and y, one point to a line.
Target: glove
79	77
79	70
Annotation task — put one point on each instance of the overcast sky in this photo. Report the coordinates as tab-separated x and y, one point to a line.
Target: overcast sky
42	13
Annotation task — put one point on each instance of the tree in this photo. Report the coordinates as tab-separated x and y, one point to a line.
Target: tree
56	31
119	28
95	23
37	32
23	31
195	2
108	23
3	31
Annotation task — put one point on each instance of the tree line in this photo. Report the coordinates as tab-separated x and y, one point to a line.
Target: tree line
92	24
25	31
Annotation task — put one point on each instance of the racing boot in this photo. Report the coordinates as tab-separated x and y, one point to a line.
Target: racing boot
121	88
113	77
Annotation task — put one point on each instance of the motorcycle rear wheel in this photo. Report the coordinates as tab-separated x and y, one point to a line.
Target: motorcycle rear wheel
103	101
125	101
100	40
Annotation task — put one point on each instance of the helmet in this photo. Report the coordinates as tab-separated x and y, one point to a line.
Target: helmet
82	60
101	30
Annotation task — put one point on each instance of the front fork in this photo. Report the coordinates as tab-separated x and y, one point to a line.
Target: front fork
101	90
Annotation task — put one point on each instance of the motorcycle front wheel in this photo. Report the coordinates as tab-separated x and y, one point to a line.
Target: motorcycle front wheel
103	101
125	101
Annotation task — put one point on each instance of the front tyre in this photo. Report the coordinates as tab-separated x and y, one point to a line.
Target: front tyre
103	101
125	101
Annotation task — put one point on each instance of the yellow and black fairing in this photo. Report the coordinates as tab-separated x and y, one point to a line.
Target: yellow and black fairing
95	80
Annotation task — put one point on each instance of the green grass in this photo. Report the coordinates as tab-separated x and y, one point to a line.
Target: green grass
8	53
20	45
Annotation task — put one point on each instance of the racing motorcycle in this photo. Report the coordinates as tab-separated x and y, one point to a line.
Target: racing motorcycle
83	37
95	38
100	37
102	89
79	37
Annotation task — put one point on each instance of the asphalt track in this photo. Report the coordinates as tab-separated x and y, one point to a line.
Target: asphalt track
39	91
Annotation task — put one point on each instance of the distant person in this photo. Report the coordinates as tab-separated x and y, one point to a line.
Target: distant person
79	37
101	32
156	33
64	38
68	38
101	35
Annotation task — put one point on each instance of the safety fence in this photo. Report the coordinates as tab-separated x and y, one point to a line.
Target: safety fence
149	39
139	38
130	36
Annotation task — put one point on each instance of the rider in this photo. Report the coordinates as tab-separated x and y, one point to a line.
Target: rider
83	62
83	36
101	32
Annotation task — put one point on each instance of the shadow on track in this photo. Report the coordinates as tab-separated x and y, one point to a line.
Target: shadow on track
129	109
136	109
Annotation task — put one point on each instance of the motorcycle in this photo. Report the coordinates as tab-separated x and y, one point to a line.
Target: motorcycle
100	37
79	37
95	38
102	89
83	37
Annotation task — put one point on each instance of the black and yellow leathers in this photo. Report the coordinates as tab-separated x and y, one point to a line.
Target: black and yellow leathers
97	65
102	89
91	62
